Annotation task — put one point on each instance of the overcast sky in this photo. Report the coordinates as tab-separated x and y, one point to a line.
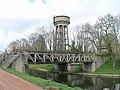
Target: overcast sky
19	18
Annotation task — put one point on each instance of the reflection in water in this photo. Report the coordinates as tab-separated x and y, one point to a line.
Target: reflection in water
84	82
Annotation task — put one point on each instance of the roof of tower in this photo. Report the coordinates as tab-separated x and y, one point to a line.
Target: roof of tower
61	19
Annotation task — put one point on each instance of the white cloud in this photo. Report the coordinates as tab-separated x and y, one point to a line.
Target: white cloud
3	36
19	17
7	37
110	6
14	9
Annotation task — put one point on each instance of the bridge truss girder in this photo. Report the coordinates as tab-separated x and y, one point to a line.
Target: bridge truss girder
56	58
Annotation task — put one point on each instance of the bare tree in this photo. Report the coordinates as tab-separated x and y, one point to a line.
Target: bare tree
47	33
39	43
31	39
110	34
18	44
24	44
95	36
87	32
78	40
12	46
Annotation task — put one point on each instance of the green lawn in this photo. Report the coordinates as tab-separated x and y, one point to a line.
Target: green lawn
49	67
107	68
78	69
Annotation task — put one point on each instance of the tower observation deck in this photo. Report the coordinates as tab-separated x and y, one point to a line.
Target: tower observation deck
61	38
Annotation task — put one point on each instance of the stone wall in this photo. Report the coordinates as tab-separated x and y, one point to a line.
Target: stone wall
99	60
92	66
19	64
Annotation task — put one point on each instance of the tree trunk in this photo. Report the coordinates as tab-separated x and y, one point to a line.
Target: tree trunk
113	60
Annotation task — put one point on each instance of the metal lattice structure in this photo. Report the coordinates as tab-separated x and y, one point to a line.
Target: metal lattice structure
61	39
44	58
33	57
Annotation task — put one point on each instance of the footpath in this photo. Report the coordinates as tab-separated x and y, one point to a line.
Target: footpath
11	82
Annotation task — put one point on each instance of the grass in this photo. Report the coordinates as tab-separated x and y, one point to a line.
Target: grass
49	67
107	68
77	69
39	81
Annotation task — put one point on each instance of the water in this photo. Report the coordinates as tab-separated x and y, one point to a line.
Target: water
82	81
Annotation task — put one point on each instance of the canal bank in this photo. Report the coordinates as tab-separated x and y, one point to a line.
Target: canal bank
45	84
81	80
103	71
104	77
86	74
100	75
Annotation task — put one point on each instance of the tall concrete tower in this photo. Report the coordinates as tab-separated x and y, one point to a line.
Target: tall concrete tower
61	39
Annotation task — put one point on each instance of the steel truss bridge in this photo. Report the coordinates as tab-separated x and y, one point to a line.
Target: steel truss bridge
56	57
40	57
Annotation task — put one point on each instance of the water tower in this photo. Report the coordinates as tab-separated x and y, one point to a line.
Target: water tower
61	39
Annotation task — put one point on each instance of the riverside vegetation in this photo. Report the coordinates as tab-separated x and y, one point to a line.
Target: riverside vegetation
51	67
107	68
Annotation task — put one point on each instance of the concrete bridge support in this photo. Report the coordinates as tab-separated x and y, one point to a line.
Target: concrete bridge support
72	66
65	66
88	66
19	64
96	63
61	67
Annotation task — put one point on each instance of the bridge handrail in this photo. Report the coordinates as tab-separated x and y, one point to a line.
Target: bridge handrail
38	51
11	55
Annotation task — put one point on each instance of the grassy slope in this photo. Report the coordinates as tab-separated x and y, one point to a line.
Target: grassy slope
77	69
107	68
38	81
49	67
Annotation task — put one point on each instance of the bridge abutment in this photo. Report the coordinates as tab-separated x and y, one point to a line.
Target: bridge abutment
96	63
19	64
89	66
72	66
65	66
61	67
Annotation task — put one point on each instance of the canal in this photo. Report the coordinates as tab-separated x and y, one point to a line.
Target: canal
82	81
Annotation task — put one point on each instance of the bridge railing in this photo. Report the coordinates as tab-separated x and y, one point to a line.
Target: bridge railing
44	51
